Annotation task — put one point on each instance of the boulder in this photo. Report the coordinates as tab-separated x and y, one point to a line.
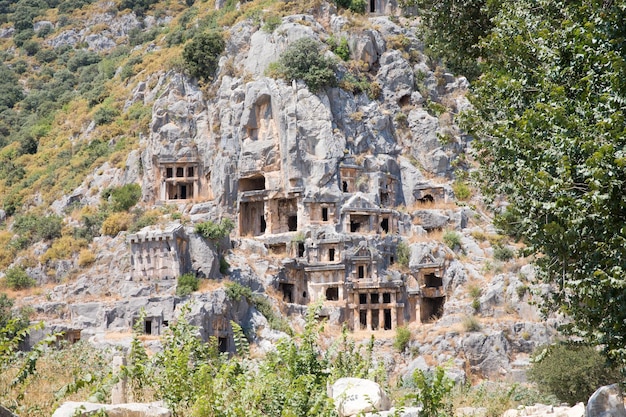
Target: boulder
607	401
5	412
72	409
354	396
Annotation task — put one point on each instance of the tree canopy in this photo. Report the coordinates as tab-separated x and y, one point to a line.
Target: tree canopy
551	133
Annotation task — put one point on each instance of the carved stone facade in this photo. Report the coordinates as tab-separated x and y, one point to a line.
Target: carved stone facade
159	254
182	179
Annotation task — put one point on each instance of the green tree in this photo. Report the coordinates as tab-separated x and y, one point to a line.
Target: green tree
304	60
432	392
549	116
453	29
202	54
570	372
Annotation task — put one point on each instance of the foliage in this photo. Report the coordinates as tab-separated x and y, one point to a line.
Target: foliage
271	22
457	45
461	190
116	223
187	283
340	48
137	370
471	323
235	291
202	53
63	248
86	258
432	392
215	231
571	372
304	60
124	197
356	6
549	115
452	239
224	265
105	115
403	253
17	279
503	253
402	338
35	227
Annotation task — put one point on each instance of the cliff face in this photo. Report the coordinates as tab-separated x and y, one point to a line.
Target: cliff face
338	197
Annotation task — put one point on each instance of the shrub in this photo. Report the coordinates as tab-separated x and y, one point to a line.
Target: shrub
224	265
461	190
63	248
86	258
304	60
341	48
234	291
187	283
124	197
105	115
403	253
402	339
215	231
34	227
433	392
570	372
202	53
116	223
271	23
471	324
17	279
503	253
452	239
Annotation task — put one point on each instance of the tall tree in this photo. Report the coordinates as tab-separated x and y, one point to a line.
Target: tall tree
549	116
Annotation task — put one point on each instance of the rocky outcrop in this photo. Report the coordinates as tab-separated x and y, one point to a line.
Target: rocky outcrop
607	401
355	396
73	409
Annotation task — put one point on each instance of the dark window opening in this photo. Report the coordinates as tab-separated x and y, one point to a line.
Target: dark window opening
386	298
183	192
375	298
375	314
180	172
392	260
263	224
384	198
385	225
362	298
292	223
431	280
387	313
354	226
222	344
252	184
166	323
147	326
300	250
361	271
426	199
363	318
431	309
344	186
304	294
372	6
190	172
332	294
331	254
169	172
287	290
325	214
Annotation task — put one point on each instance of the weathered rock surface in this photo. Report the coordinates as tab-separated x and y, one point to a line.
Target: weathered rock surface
354	396
73	409
607	401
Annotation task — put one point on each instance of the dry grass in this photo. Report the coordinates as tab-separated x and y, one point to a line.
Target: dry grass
210	284
434	236
55	370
